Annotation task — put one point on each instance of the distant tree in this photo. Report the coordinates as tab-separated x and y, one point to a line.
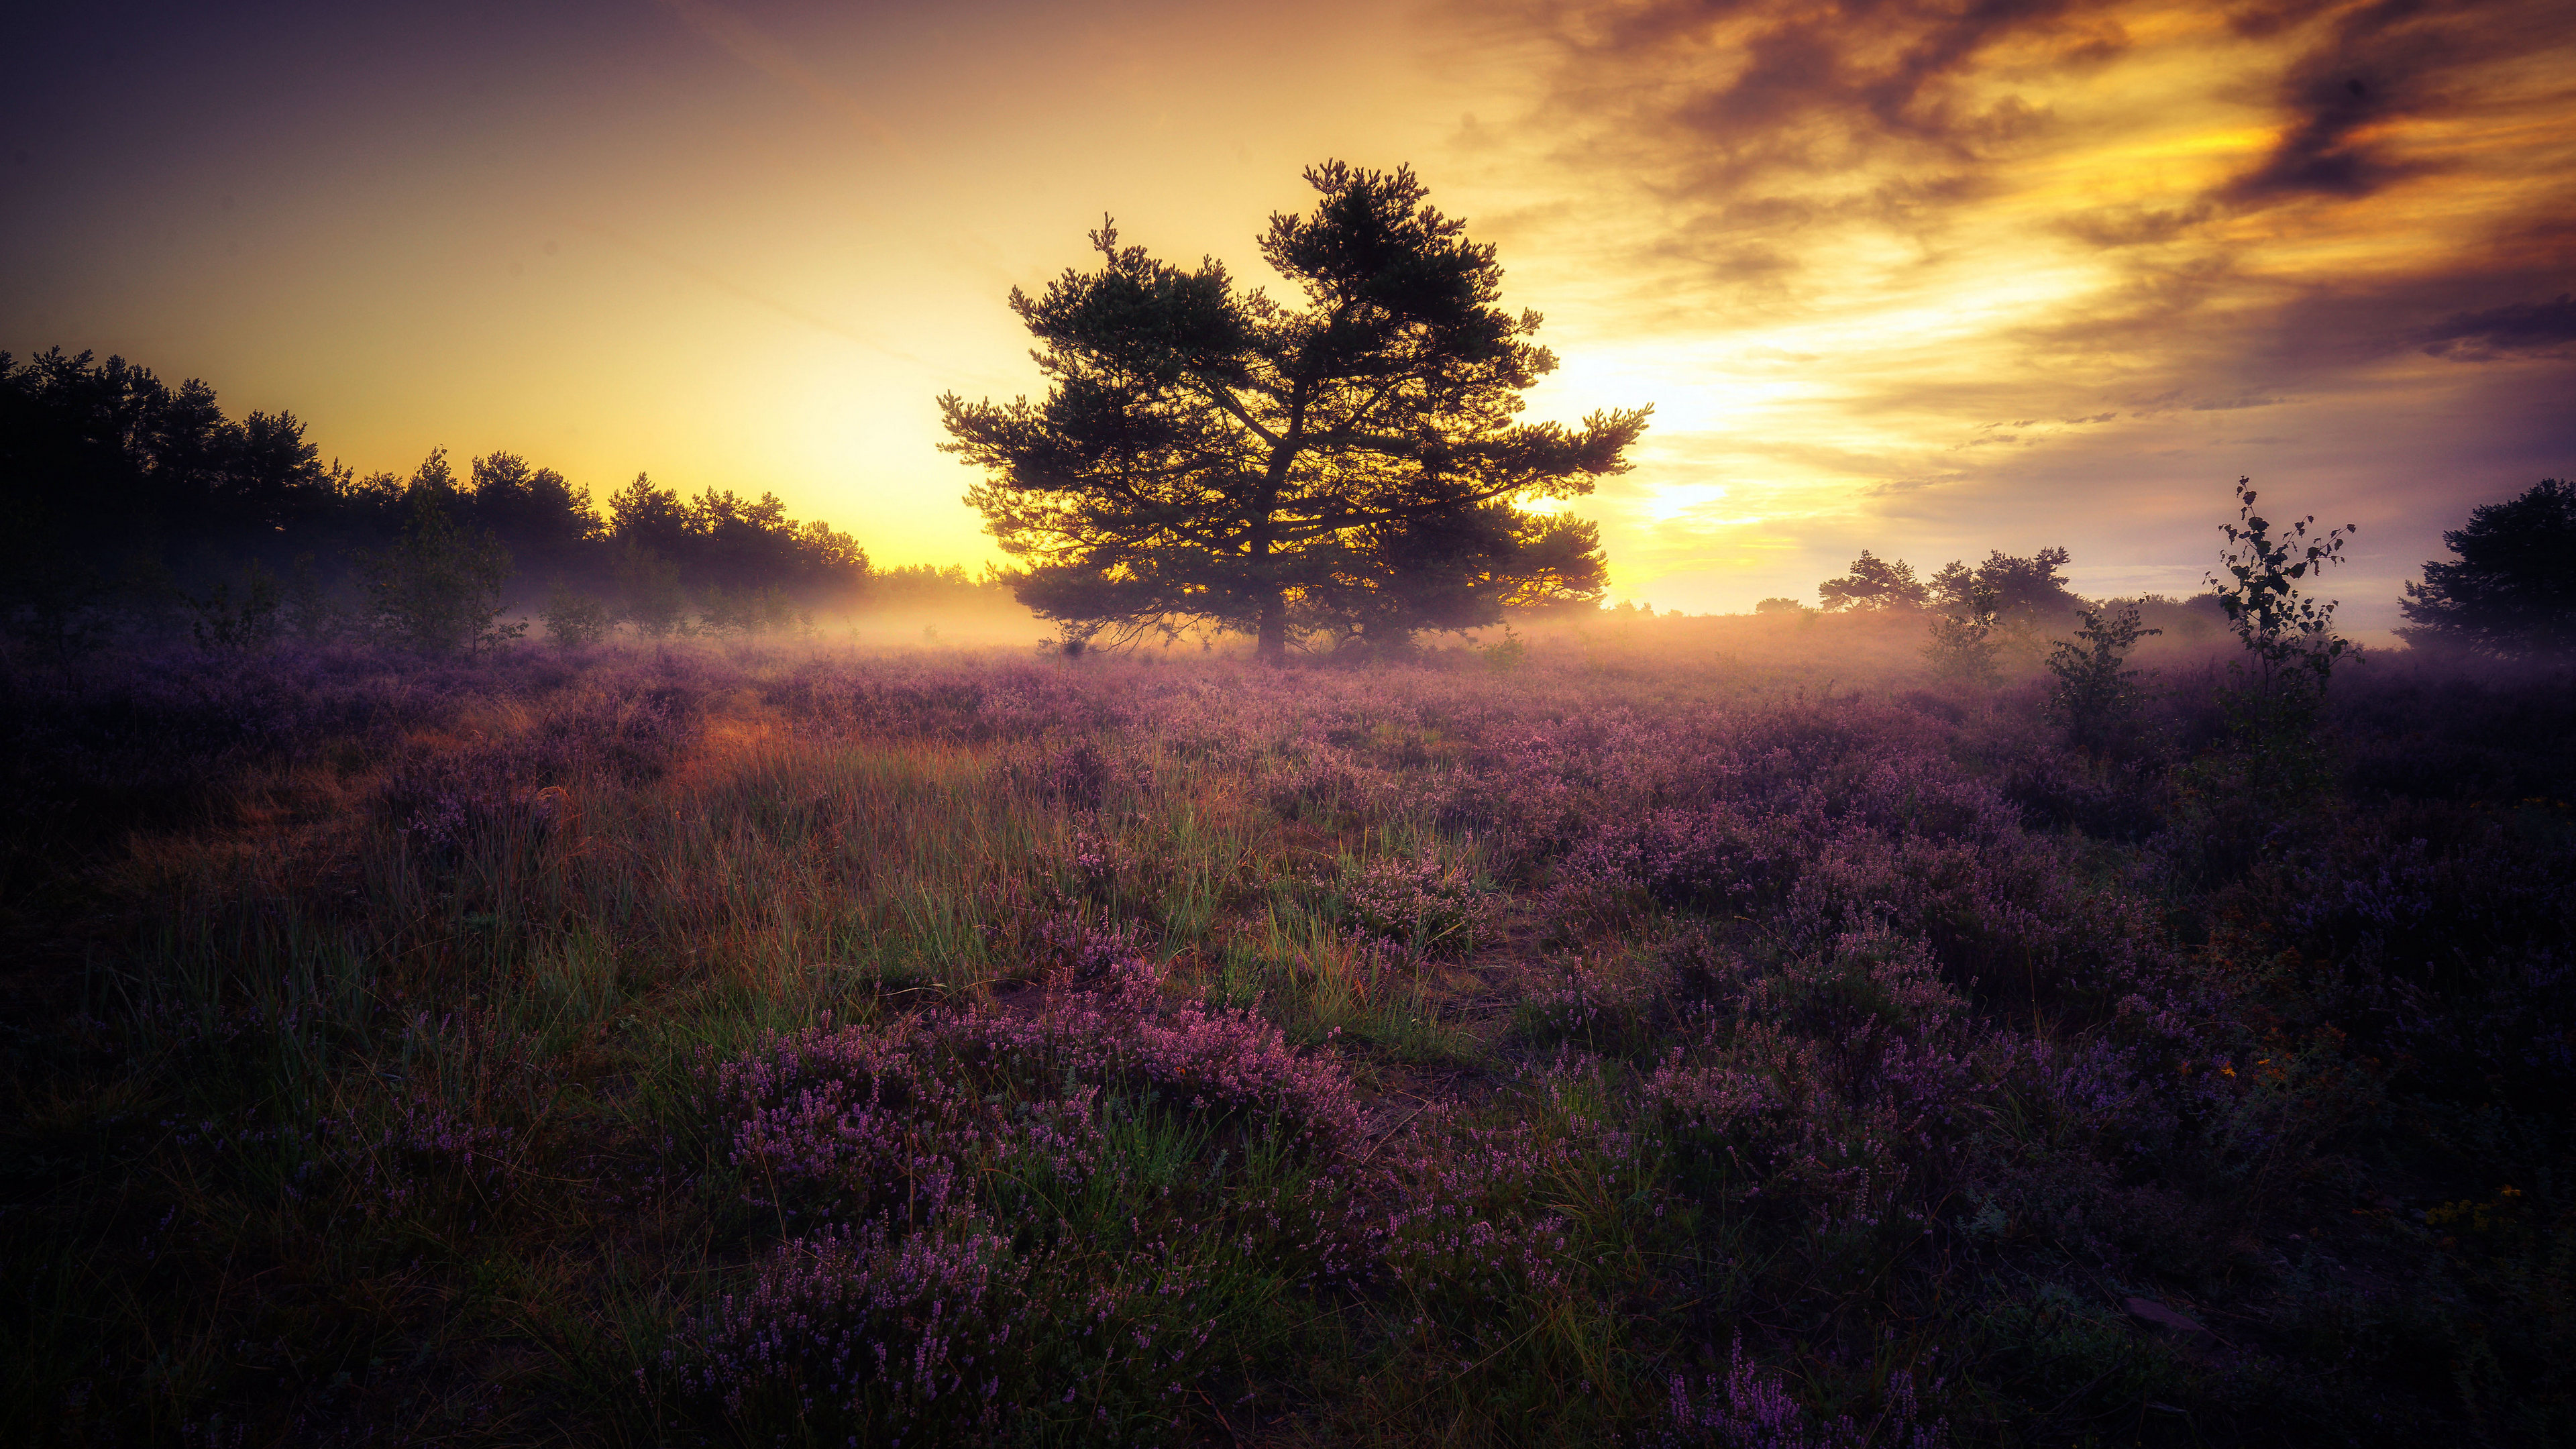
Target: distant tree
434	482
106	468
308	609
274	479
574	619
643	516
377	495
1781	607
2017	588
1874	585
648	587
537	513
121	496
1962	648
746	611
438	589
930	586
2512	589
1207	453
720	542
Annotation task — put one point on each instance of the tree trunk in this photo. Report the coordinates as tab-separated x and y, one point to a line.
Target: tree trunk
1274	629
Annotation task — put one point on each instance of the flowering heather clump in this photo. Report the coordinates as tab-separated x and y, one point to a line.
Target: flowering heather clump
858	1123
856	1324
1589	1002
929	1154
1838	1091
447	797
1466	1218
1218	1060
1426	906
1749	1410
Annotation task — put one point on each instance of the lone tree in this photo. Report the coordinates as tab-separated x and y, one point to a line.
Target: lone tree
1208	453
2513	589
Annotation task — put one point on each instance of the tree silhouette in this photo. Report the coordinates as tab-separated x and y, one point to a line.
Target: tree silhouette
1874	585
1208	453
542	516
127	504
2265	581
2019	588
2512	589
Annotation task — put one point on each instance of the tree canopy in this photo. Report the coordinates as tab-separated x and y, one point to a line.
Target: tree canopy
2511	588
1206	452
1874	585
2014	587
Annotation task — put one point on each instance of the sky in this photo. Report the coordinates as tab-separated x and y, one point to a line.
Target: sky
1924	278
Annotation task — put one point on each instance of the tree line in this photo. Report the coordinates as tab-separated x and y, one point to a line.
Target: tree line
124	499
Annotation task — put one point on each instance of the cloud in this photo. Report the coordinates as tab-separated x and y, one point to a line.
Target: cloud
2541	328
2382	61
2209	242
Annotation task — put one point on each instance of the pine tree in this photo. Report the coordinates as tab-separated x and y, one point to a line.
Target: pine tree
2512	589
1207	453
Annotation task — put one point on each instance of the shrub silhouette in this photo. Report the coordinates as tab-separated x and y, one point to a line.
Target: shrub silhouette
2095	696
1962	649
226	624
2289	634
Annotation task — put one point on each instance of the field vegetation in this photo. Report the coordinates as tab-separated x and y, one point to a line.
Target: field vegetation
1734	1031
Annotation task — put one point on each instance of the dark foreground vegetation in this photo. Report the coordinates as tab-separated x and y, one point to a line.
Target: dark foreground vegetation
1700	1031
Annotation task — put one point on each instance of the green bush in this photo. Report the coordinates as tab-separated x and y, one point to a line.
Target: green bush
438	589
574	620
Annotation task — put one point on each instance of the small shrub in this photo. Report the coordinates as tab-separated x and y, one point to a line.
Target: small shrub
2095	696
224	623
437	591
2289	633
1426	906
574	620
649	591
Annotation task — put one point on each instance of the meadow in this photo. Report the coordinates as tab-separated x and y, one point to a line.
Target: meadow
1677	1032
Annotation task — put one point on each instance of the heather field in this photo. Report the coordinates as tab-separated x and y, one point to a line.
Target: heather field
1696	1032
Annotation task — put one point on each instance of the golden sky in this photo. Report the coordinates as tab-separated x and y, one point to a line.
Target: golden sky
1929	278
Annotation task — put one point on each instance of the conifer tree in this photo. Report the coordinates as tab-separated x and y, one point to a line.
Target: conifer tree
1208	453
